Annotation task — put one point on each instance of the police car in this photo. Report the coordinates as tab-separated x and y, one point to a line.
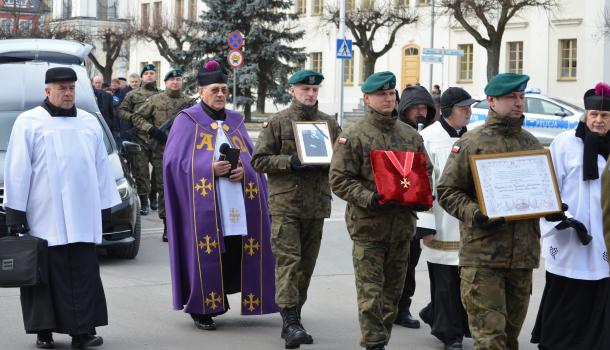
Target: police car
545	117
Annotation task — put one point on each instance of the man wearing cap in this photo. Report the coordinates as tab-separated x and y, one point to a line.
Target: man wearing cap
132	102
217	217
150	116
299	200
496	257
381	233
62	196
416	108
445	314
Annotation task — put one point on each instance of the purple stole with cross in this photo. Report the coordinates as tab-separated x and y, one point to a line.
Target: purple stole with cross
193	219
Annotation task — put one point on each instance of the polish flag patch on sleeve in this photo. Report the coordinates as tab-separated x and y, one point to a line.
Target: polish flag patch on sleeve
456	149
342	140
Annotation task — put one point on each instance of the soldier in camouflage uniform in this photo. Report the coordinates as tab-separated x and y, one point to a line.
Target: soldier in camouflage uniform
496	257
299	200
381	233
149	117
134	100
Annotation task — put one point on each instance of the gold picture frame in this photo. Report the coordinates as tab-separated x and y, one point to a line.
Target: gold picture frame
516	185
313	142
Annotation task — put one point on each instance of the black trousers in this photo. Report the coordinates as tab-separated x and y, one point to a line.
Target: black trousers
404	304
72	301
445	313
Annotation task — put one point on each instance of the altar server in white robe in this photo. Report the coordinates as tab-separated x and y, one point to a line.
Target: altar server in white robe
58	185
445	314
572	309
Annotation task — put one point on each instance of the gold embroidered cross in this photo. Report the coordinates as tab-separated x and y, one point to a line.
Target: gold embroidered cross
234	215
212	300
251	301
251	190
205	246
250	247
405	183
204	187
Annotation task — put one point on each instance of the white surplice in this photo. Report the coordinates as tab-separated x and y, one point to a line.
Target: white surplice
564	254
231	196
57	171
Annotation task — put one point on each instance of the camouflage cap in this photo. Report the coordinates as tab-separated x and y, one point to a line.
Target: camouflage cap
148	67
505	83
307	77
379	81
176	72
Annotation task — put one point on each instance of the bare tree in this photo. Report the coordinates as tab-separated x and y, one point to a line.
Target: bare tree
366	22
493	15
112	39
173	41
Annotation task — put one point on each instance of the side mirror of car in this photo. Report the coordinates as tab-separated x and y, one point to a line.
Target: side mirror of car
129	148
561	113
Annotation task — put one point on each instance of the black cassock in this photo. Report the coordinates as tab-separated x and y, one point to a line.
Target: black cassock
72	301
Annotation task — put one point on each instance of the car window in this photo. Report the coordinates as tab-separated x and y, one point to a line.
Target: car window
539	106
483	104
573	106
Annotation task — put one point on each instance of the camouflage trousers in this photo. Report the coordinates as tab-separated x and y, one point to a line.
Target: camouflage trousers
157	180
295	243
496	302
141	170
380	269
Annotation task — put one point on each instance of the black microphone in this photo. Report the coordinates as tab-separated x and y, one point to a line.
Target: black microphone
224	148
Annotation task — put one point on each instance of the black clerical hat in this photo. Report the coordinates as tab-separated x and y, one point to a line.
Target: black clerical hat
212	73
60	74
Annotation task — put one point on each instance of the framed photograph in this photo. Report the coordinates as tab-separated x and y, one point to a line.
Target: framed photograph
314	145
516	185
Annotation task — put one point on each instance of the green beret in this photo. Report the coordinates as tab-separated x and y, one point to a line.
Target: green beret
379	81
173	73
307	77
505	83
146	68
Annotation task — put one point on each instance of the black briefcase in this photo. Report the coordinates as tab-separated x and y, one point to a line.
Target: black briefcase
23	261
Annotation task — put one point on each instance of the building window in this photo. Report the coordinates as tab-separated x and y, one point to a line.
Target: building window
318	7
348	71
17	3
301	7
145	16
66	9
465	64
423	2
350	5
179	6
567	59
157	21
6	25
514	60
316	61
193	10
106	9
25	25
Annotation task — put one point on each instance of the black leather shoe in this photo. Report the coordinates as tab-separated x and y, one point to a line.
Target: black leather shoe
457	345
44	340
154	204
422	315
406	320
206	323
376	347
164	237
83	341
144	210
292	332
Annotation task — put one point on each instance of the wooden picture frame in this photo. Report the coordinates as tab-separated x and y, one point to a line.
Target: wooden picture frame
313	142
516	185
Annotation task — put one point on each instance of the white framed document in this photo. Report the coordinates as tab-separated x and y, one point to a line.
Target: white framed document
516	185
313	142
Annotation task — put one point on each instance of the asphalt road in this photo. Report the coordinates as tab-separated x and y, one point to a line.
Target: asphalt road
139	305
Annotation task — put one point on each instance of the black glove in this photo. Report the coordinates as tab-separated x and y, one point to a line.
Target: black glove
485	223
157	134
420	207
376	205
558	216
295	164
579	227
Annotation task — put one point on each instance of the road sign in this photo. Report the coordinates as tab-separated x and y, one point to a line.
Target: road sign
449	52
344	48
428	52
440	52
432	59
235	40
235	58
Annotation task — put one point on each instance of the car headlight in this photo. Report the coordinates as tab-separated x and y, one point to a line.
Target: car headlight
124	188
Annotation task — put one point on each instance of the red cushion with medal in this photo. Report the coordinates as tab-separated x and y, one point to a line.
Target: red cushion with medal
402	177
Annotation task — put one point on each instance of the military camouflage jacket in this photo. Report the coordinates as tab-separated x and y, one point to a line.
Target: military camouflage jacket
159	108
515	244
351	177
132	101
302	194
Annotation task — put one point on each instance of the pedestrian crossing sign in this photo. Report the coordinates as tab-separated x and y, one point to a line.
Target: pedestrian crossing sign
344	48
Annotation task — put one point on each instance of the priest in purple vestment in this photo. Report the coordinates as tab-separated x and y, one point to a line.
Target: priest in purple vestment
217	217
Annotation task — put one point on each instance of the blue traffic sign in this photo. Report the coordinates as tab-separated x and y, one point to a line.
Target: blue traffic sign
344	48
235	40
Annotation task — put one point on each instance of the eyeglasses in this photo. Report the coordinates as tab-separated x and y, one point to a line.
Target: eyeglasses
215	91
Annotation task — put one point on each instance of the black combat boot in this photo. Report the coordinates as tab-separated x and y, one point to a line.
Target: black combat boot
154	204
292	331
144	205
309	337
164	237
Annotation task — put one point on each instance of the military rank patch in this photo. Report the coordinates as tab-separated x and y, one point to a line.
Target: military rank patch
456	149
265	124
342	140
